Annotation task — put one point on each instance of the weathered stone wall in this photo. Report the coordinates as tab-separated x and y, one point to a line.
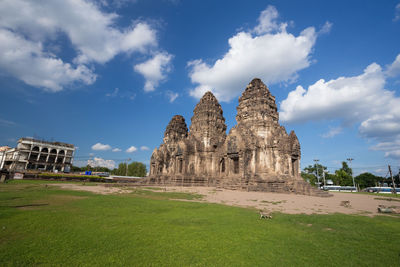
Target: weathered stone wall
257	154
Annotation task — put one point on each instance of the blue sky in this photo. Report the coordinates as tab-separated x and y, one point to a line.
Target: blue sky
107	76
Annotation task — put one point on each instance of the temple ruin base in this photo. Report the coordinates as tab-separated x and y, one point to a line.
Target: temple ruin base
282	185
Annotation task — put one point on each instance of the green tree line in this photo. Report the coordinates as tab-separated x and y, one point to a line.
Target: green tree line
343	176
135	168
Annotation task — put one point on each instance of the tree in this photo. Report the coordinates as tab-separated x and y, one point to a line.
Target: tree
95	169
346	168
121	170
309	177
330	176
314	168
342	178
75	169
367	179
309	173
137	169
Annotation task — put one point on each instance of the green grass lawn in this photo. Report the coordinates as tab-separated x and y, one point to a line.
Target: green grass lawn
42	225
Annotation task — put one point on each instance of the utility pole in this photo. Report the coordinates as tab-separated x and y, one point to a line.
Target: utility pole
126	169
393	184
352	176
316	169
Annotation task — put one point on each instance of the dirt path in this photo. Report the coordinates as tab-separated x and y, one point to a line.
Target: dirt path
293	204
97	189
285	203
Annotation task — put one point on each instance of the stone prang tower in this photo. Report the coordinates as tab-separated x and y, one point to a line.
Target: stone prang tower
256	155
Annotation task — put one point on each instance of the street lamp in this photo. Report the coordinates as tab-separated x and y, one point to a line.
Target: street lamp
316	169
352	176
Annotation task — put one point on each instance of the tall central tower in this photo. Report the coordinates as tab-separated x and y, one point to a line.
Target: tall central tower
208	123
257	109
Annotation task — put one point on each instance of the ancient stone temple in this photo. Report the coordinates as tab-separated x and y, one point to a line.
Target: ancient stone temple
256	155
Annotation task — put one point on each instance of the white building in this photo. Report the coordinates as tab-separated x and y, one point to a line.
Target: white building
32	154
3	150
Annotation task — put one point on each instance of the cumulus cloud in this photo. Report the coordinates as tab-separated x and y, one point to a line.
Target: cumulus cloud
154	70
116	149
171	96
268	52
27	61
99	162
29	31
267	21
100	146
345	97
143	148
360	99
131	149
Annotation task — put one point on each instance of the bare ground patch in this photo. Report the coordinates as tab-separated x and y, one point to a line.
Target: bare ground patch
360	204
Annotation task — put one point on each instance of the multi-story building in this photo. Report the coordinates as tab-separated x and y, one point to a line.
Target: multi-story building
3	150
33	154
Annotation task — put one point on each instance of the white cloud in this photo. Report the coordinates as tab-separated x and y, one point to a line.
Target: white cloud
116	149
124	94
99	162
359	99
397	12
326	28
267	21
114	93
346	97
29	30
100	146
27	61
394	68
4	122
131	149
171	96
391	148
333	132
154	70
143	148
268	52
117	3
